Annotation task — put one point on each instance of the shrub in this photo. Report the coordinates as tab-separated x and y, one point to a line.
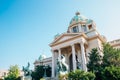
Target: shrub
111	73
62	77
79	74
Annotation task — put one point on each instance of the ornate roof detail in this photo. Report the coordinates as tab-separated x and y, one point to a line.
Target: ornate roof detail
80	18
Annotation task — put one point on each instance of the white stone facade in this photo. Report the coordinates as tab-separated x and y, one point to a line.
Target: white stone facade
76	43
45	61
115	43
3	73
80	38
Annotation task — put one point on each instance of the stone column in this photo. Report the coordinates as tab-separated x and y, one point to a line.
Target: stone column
59	53
73	57
53	64
79	64
66	57
79	26
79	55
87	28
84	67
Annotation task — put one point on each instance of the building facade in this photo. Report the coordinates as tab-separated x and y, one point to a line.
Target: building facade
115	43
80	38
3	73
42	60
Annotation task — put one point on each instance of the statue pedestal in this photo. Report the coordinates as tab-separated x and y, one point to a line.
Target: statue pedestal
27	78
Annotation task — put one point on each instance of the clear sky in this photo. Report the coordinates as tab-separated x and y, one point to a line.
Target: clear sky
27	27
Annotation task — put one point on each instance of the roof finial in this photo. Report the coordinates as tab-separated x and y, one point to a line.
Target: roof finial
77	13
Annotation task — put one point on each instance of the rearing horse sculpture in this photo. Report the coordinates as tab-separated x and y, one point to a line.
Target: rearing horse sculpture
26	70
62	67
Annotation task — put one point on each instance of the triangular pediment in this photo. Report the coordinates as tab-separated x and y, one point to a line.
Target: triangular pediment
64	37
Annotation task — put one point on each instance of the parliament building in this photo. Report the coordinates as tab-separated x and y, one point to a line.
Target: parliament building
80	38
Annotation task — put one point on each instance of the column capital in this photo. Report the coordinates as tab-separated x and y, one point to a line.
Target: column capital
72	44
82	41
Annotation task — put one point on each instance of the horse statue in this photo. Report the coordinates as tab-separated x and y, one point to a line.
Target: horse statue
62	67
26	70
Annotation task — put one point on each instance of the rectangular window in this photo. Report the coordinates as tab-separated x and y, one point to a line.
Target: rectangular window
90	27
75	29
84	28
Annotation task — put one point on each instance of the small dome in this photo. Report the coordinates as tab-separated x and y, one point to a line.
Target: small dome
41	57
80	18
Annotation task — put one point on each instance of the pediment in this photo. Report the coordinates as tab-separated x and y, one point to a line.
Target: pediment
64	37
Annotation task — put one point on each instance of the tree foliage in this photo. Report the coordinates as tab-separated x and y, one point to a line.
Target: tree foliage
111	56
81	75
111	73
95	61
40	71
105	67
48	71
63	77
13	73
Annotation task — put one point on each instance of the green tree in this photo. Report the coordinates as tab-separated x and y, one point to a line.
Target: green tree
94	61
39	72
111	73
111	56
81	75
48	71
13	73
98	64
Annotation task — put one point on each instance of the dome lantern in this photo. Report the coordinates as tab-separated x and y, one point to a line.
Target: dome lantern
80	18
77	13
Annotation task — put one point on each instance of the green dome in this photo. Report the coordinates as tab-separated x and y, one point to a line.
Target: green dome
80	18
41	57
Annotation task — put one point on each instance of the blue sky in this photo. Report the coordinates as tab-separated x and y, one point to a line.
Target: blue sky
27	27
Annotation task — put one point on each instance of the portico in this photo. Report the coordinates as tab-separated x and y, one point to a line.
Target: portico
74	50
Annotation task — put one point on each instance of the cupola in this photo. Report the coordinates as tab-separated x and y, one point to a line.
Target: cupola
80	23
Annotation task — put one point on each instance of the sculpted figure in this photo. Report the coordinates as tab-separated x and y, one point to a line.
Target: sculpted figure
62	67
26	70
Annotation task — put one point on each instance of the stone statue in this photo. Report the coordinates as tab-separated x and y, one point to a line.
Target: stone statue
62	67
27	71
